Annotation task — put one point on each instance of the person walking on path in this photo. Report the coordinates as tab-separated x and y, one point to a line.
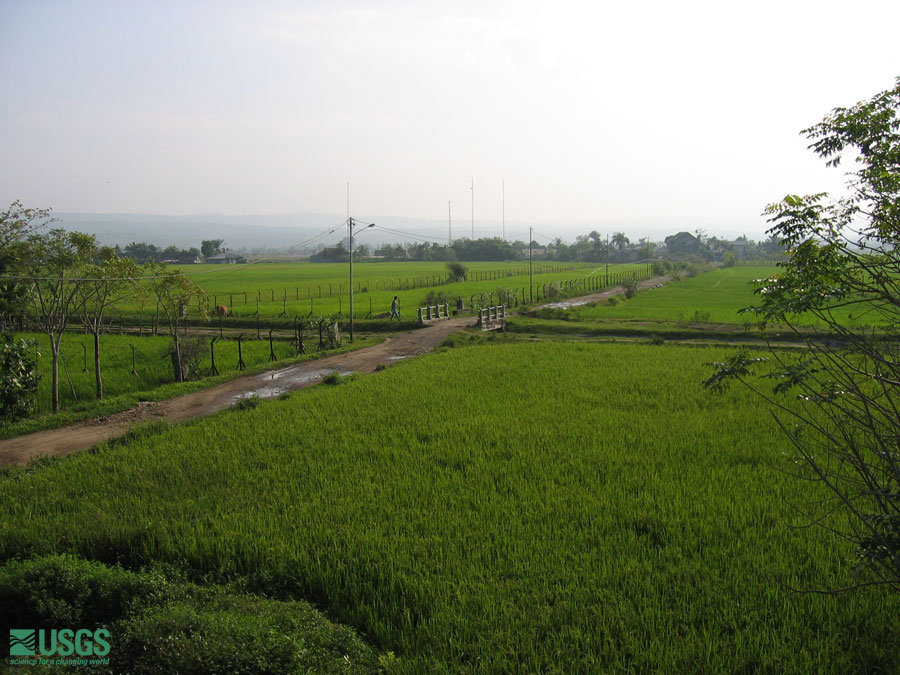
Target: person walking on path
395	308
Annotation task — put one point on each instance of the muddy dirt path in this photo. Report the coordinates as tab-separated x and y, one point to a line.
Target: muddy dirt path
66	440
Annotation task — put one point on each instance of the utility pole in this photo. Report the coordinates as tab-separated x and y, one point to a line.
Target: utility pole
473	208
530	268
503	202
350	228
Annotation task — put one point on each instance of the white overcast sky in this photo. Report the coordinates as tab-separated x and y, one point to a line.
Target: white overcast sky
649	113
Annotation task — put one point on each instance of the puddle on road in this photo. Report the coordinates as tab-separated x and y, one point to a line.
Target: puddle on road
398	358
289	382
568	304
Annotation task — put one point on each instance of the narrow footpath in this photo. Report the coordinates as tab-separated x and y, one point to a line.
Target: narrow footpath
81	436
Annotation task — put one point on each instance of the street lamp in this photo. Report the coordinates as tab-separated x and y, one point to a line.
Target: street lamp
350	228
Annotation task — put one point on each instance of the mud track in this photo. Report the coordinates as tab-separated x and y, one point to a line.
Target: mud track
66	440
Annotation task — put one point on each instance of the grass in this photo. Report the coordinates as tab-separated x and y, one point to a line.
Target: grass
506	507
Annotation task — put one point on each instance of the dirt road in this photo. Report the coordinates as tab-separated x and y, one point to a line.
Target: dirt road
66	440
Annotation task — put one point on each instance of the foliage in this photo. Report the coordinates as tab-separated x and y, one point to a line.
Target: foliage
108	280
591	519
143	253
843	259
191	351
18	377
437	296
162	625
175	296
458	271
17	223
210	247
54	261
631	288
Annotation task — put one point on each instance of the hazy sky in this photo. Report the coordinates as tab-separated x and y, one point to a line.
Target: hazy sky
643	112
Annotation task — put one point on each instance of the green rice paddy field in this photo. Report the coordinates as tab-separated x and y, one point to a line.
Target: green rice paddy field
713	297
504	507
323	288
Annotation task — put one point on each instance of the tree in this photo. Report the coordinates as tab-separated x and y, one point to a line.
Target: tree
843	267
16	224
107	282
619	240
175	294
54	262
211	247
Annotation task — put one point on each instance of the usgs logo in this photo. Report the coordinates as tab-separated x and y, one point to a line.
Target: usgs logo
53	642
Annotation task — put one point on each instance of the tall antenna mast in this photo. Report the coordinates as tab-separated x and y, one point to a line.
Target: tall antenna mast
449	225
473	209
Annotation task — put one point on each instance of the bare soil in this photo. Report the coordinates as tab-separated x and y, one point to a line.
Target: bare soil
63	441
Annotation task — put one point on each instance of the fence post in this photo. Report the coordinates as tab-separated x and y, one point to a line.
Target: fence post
212	357
272	356
240	365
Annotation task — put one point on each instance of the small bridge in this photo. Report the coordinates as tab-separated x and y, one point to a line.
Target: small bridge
433	313
492	318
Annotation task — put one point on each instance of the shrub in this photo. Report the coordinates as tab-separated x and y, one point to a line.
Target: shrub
458	271
247	403
435	297
335	378
631	288
159	625
18	377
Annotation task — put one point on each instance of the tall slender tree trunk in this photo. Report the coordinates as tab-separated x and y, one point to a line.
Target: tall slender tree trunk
97	364
176	360
54	350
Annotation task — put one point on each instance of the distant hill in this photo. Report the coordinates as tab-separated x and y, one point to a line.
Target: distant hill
248	232
239	232
278	232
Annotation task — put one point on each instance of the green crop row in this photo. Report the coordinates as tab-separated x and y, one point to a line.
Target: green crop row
510	507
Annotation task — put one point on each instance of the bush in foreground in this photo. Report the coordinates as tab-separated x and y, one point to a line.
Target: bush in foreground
157	625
